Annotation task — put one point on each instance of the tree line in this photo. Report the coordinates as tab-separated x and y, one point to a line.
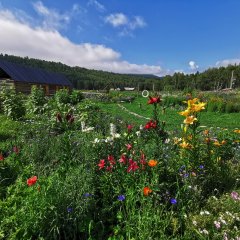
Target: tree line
82	78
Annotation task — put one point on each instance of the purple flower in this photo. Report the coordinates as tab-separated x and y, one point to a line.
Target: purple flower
173	201
201	167
69	209
121	198
235	196
87	195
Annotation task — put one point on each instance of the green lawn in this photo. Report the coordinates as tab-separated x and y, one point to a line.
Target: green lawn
171	117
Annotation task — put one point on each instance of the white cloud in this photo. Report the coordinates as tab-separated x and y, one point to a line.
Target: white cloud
117	19
128	25
137	22
193	65
226	62
21	39
97	5
52	19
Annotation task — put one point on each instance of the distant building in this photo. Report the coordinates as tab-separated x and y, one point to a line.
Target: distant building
22	78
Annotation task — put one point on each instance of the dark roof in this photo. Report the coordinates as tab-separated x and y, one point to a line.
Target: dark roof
22	73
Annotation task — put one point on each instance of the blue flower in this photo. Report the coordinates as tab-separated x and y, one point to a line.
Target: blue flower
201	167
69	209
121	198
173	201
87	195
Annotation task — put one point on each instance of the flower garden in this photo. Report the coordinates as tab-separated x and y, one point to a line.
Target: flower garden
70	171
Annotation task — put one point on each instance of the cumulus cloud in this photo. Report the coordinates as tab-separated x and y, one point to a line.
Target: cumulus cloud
97	5
226	62
21	39
193	65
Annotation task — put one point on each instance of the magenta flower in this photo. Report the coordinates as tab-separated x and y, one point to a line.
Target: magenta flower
132	166
235	196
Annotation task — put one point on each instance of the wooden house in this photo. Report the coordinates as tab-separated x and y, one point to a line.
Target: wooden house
22	78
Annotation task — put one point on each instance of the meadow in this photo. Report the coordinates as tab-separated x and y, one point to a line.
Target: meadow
72	168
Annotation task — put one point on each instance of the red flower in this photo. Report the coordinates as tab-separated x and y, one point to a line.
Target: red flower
143	160
132	166
154	100
151	124
109	168
1	157
16	150
31	181
130	127
147	191
123	159
111	159
129	146
101	164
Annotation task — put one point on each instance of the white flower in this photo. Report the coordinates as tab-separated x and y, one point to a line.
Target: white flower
88	129
117	135
194	223
205	231
138	133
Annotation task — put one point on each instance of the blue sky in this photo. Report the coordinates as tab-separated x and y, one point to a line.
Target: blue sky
138	36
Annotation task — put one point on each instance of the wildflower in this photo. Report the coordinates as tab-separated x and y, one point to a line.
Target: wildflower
151	124
109	168
154	100
152	163
173	201
143	159
217	224
236	130
206	132
111	159
198	107
205	231
190	120
1	157
193	174
121	198
223	142
235	196
129	127
123	159
194	223
31	181
87	195
201	167
16	149
101	164
146	191
185	145
217	143
185	113
132	166
129	146
69	209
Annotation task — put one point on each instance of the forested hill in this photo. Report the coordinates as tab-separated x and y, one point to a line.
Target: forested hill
83	78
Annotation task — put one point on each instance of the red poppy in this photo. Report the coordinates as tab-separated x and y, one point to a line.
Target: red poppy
1	157
154	100
101	164
31	181
132	166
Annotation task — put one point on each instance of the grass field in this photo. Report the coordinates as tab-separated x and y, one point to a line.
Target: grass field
171	116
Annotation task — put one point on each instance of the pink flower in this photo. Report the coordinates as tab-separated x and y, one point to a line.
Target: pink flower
132	166
129	146
123	159
129	127
111	159
217	224
235	196
101	164
16	150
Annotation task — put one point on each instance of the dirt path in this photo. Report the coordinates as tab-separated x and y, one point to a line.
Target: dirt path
132	113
